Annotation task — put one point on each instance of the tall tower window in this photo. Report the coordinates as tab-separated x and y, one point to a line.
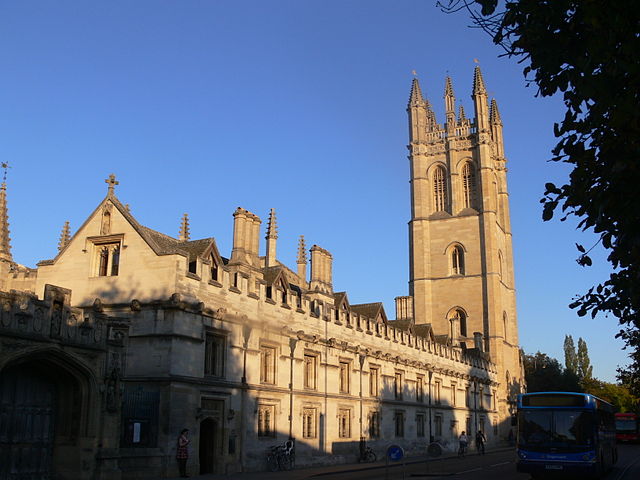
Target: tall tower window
457	260
468	185
440	189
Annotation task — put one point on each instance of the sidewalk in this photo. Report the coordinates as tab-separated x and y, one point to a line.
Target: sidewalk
325	472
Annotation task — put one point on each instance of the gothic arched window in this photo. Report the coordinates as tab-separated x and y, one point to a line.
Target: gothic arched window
440	189
457	260
500	264
468	185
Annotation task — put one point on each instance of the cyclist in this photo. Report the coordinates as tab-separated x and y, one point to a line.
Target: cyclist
464	440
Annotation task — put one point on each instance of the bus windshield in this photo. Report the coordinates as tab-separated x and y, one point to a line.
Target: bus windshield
556	430
625	425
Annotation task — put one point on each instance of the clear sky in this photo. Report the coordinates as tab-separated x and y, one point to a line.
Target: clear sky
204	106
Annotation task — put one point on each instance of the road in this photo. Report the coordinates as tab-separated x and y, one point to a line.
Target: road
492	466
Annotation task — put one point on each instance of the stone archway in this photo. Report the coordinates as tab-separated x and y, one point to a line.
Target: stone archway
43	415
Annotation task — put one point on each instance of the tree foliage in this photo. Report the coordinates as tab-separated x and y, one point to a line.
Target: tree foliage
588	51
570	357
585	370
544	373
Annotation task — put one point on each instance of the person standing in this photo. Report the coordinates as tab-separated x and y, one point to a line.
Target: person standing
480	441
182	452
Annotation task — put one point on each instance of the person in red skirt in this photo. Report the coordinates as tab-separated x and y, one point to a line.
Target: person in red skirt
182	452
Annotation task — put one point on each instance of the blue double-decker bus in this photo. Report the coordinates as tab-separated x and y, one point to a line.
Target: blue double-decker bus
565	432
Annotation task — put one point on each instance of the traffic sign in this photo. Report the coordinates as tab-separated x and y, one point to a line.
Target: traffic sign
395	453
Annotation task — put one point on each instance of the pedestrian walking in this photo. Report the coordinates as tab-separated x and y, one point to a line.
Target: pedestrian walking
182	452
480	441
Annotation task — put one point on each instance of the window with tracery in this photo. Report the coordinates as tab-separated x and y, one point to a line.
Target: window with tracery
457	260
468	185
108	261
440	189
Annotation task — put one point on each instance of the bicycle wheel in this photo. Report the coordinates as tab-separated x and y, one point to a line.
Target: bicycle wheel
284	461
272	463
370	457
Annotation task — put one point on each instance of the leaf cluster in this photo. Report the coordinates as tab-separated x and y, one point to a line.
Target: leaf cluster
588	51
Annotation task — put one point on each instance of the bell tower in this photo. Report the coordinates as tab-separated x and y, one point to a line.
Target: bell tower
461	260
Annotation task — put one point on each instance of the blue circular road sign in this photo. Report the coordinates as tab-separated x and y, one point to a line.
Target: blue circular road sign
395	453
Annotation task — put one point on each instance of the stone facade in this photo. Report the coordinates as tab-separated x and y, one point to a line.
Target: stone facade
131	335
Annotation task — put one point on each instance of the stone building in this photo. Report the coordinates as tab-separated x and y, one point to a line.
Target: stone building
129	335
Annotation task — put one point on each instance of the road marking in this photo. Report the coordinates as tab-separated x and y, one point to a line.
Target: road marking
469	471
498	464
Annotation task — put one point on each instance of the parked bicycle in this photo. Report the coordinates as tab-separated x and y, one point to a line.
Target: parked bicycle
281	457
366	453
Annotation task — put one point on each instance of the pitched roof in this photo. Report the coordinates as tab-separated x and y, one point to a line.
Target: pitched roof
371	310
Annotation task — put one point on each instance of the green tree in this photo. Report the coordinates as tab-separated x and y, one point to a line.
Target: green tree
570	357
585	370
589	51
544	373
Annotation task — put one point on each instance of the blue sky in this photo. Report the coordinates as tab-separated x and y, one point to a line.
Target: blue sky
204	106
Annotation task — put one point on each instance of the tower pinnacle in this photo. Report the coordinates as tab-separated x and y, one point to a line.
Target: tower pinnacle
65	236
5	246
272	236
478	82
184	235
494	113
272	227
302	258
415	97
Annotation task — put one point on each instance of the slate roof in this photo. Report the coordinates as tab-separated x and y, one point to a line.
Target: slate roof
370	310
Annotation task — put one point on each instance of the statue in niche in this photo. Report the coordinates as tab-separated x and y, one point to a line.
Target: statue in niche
56	319
105	227
112	390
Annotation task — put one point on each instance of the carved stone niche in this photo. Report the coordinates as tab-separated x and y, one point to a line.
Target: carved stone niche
53	293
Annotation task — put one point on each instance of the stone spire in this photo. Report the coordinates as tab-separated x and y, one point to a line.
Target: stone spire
302	258
478	82
65	236
449	104
415	97
184	235
272	236
480	105
495	124
461	116
112	182
5	246
494	113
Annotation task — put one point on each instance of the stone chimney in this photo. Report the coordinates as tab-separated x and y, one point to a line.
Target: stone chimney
321	274
404	308
246	237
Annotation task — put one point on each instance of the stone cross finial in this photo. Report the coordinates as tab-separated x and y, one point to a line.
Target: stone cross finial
112	182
